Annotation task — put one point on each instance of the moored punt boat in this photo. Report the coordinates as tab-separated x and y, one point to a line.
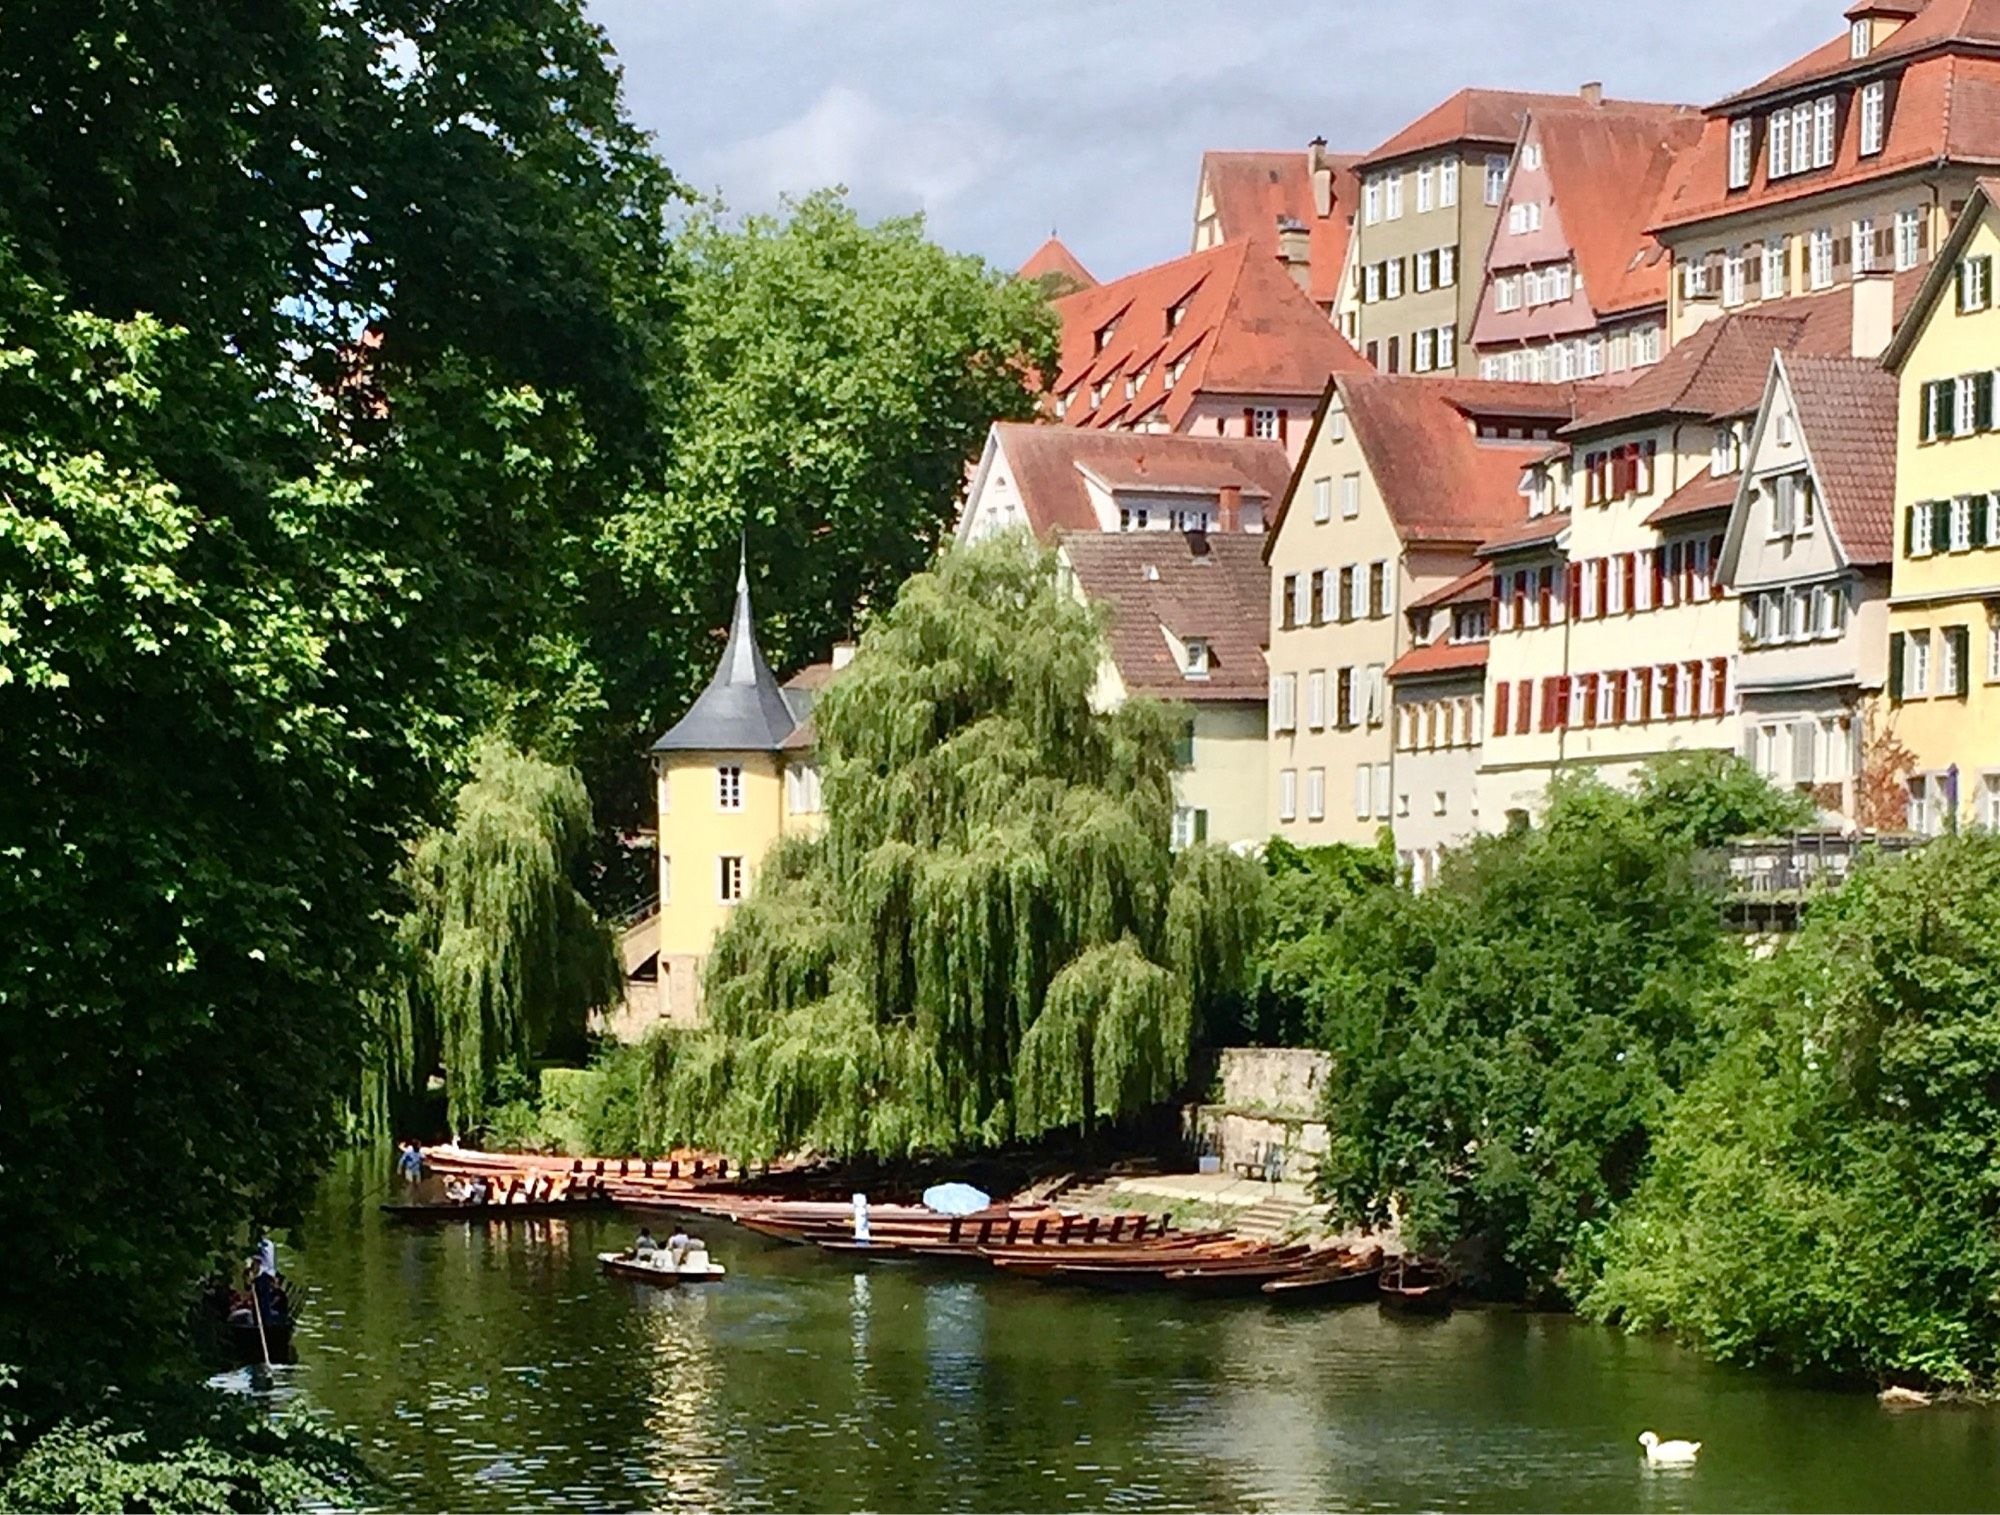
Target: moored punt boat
1355	1280
495	1209
1415	1288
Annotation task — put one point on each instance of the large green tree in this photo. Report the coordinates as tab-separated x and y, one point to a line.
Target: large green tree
832	381
1506	1042
1824	1195
993	938
328	334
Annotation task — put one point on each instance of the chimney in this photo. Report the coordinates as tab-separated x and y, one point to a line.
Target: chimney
1229	508
843	654
1321	172
1592	93
1295	251
1874	313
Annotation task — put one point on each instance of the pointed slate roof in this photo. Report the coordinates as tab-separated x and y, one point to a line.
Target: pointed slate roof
742	709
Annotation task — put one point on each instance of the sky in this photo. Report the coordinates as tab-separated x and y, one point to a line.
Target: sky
1004	120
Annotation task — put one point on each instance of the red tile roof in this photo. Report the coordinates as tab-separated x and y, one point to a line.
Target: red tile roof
1252	190
1607	169
1213	587
1439	657
1047	462
1246	331
1055	262
1847	415
1516	536
1947	108
1438	480
1935	25
1700	495
1463	590
1489	116
1720	369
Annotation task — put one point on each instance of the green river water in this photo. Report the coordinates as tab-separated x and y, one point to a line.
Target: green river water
495	1368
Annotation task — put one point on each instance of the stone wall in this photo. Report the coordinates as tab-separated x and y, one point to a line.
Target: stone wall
1263	1100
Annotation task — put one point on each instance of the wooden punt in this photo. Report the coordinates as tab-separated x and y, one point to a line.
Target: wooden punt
1350	1283
1415	1288
497	1210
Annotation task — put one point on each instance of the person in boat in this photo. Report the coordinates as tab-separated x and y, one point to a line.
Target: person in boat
457	1191
645	1246
410	1161
265	1263
480	1192
677	1246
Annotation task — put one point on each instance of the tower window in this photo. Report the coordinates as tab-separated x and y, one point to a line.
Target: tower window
729	879
729	788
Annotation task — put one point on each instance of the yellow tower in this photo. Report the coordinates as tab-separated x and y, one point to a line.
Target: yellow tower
720	781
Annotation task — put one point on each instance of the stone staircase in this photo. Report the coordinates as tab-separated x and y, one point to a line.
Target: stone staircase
1269	1219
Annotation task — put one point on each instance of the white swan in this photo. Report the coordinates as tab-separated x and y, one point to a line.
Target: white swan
1668	1453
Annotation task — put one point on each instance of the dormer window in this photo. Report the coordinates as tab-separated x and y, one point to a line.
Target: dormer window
1858	38
1194	664
1105	333
1099	393
1176	314
1740	133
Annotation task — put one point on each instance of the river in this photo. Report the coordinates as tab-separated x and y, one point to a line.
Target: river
495	1368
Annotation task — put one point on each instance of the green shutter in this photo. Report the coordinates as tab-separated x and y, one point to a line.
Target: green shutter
1184	748
1909	531
1982	401
1896	667
1940	526
1960	638
1200	826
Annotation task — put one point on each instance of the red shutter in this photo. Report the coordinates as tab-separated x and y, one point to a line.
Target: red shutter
1573	587
1663	676
1562	700
1524	699
1659	577
1687	573
1642	695
1628	568
1719	671
1249	421
1500	708
1618	683
1589	682
1520	596
1548	704
1545	581
1284	418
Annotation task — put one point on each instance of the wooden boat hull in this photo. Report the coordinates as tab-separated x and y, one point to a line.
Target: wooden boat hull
526	1210
618	1265
1330	1287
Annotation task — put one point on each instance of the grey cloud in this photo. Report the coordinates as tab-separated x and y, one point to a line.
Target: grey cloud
1003	119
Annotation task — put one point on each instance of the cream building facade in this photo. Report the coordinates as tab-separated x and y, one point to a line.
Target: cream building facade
1944	610
1401	479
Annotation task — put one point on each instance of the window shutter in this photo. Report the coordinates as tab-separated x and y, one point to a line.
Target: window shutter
1573	585
1500	708
1982	401
1910	531
1249	421
1960	638
1897	642
1629	566
1941	526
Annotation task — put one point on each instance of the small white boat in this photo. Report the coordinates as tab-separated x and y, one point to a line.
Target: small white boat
659	1267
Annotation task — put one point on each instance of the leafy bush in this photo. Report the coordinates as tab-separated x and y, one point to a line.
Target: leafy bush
1824	1195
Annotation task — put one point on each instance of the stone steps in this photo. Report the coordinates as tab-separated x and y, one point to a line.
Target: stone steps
1269	1219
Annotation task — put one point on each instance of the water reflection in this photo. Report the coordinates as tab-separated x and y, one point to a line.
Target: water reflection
494	1367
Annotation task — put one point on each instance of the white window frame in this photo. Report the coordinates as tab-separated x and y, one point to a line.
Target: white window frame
1364	791
1264	423
1350	496
1448	183
1496	178
1824	117
1820	259
1288	794
1917	665
1741	132
1392	198
1908	224
1371	200
1315	794
1323	500
1447	347
1426	187
1779	133
1447	267
729	787
1392	279
1316	700
1874	121
1772	283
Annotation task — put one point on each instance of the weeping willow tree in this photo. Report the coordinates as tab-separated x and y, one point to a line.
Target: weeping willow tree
993	938
501	958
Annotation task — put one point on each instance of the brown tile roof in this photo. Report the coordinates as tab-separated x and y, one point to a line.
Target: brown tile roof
1517	536
1847	415
1247	330
1700	495
1438	658
1214	587
1489	116
1720	369
1047	462
1252	190
1466	589
1055	262
1439	481
1607	170
1947	108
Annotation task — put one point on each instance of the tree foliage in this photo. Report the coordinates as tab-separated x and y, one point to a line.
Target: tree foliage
1505	1043
504	960
1706	798
328	332
1824	1194
832	381
993	938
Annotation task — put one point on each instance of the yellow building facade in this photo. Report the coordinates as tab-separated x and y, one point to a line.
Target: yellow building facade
1944	604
